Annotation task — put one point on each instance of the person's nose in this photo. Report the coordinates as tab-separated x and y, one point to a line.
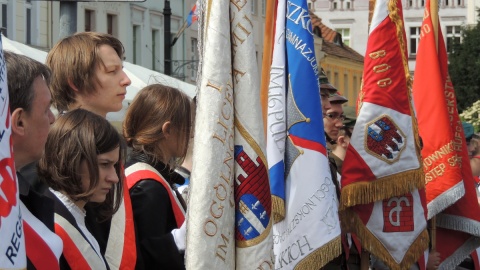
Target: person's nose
125	80
112	176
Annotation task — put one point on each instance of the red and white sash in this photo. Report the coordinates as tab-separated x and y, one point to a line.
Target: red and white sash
140	171
121	250
43	247
77	250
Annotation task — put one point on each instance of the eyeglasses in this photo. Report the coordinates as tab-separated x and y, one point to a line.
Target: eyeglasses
335	116
324	95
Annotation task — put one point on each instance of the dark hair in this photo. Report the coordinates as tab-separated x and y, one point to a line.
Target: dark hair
21	72
152	107
78	136
75	59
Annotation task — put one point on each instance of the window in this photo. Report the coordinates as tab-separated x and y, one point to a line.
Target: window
345	85
4	19
254	8
136	44
112	22
335	79
348	5
453	36
345	32
409	3
355	84
446	3
89	20
28	22
155	47
422	3
194	57
335	4
414	39
263	7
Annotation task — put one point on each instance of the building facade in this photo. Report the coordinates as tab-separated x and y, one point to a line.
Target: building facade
25	21
350	18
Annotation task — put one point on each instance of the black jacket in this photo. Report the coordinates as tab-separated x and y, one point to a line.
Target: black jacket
154	219
33	195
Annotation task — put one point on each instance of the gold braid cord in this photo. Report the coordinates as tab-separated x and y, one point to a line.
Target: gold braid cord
321	256
278	209
382	188
374	246
398	21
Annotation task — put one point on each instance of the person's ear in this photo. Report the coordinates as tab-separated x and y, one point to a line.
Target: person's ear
167	129
75	88
342	142
18	121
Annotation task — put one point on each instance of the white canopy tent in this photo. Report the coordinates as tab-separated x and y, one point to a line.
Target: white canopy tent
139	75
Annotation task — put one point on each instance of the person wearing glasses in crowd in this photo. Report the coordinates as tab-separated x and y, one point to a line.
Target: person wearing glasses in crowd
333	119
334	124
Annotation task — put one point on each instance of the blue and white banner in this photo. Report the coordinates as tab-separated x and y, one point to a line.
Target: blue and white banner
309	236
277	119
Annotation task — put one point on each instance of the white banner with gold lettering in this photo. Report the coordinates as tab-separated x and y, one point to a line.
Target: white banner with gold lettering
12	243
228	219
253	202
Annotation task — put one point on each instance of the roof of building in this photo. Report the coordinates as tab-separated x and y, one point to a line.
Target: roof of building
332	41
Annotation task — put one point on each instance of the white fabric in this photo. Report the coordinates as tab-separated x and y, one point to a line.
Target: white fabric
379	14
51	239
407	159
277	120
12	244
311	203
179	235
397	243
79	215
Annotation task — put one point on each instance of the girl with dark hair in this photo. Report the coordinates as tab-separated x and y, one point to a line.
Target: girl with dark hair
157	127
82	165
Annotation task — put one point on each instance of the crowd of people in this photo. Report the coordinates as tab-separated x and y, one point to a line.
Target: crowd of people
94	206
73	169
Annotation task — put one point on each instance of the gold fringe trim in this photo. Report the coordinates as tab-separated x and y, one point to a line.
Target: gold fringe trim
376	248
321	256
394	15
278	209
382	188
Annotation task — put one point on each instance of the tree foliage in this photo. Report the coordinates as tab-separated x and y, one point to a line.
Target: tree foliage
464	67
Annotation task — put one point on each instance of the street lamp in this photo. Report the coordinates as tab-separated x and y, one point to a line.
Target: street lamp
167	13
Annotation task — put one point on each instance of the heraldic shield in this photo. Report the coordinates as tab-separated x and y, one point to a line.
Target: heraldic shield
384	139
253	205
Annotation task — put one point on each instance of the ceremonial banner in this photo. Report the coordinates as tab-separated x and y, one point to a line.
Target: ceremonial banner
445	154
309	235
276	116
435	104
12	244
228	220
382	177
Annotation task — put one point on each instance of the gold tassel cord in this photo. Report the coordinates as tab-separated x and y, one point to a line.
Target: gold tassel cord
321	256
374	246
278	209
382	188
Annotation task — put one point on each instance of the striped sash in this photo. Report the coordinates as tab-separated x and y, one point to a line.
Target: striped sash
121	251
140	171
76	249
43	247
